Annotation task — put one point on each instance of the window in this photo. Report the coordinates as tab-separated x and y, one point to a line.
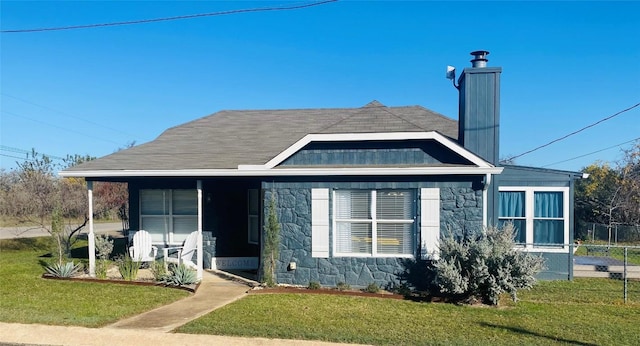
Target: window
169	215
253	222
512	210
375	223
539	214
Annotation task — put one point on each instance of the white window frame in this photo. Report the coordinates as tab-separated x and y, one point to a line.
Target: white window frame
530	216
167	216
251	216
374	221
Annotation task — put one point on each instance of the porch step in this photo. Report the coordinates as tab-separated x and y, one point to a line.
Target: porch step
230	276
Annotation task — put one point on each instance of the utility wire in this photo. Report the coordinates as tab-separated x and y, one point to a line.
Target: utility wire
591	153
60	127
28	152
574	132
164	19
67	114
16	157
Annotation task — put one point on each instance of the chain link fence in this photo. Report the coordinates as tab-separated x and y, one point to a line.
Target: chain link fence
612	235
609	272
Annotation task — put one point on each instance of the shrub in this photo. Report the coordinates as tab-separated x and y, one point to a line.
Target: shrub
104	246
342	286
483	267
101	269
158	270
128	268
63	270
180	275
372	288
402	289
314	285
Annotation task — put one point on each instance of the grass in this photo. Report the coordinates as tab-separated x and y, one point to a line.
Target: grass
585	312
27	298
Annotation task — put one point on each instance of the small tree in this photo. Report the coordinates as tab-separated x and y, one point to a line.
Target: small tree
483	267
270	252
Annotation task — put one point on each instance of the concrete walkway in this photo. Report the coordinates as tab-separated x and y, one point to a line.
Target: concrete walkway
152	327
37	334
213	293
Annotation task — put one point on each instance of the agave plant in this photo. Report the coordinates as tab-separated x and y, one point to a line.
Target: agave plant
180	275
63	270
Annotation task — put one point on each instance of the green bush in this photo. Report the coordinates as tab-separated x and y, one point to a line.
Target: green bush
372	288
342	286
158	270
180	275
314	285
104	246
64	270
485	266
128	268
101	268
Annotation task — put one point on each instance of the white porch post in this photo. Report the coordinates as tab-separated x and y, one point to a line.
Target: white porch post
200	253
92	239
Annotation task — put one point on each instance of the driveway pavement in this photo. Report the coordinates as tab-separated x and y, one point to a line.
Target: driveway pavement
112	228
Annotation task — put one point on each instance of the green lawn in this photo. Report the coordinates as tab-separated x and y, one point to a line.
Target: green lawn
27	298
584	312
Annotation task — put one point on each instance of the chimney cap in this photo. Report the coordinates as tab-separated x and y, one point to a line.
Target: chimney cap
479	58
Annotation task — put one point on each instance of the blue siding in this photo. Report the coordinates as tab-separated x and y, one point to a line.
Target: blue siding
410	152
479	114
558	265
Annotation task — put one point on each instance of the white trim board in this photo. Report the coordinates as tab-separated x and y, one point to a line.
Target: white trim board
458	170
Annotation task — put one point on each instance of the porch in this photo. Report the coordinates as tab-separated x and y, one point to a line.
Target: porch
225	214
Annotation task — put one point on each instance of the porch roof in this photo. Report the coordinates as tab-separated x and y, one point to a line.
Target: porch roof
228	139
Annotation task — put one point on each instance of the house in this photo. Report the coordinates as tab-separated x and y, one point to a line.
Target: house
358	190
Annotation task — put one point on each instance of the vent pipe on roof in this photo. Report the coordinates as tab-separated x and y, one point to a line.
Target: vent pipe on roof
479	58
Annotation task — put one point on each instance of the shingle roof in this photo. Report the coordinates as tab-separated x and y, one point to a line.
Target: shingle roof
227	139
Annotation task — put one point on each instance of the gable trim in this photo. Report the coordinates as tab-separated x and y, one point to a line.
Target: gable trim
377	136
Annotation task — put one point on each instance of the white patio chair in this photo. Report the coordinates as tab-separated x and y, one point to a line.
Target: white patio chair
142	250
183	254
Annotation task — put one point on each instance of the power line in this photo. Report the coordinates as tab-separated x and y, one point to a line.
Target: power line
27	152
591	153
66	114
574	132
16	157
60	127
164	19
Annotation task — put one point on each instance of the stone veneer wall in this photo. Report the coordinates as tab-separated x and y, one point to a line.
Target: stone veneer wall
461	209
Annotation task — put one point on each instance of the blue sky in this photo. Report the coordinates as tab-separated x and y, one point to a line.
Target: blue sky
90	91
